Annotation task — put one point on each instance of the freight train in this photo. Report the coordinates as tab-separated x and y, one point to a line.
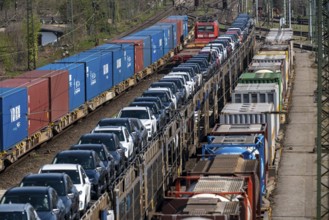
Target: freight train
153	185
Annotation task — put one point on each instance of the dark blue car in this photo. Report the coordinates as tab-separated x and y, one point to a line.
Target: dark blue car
44	200
94	167
64	187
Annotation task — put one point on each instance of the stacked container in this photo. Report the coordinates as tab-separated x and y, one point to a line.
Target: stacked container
13	120
253	113
121	63
147	48
138	52
184	20
167	36
257	93
37	98
76	81
179	30
156	37
263	76
173	29
94	71
58	82
275	57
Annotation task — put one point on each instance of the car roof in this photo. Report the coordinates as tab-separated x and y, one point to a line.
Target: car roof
47	176
62	166
100	135
75	152
28	189
89	146
109	127
134	108
14	207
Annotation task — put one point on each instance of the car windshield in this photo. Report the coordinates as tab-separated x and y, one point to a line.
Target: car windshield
117	132
40	202
13	216
57	184
113	123
161	95
73	174
141	114
109	142
85	161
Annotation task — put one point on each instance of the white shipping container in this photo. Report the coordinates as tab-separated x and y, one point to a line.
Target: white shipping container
253	113
257	93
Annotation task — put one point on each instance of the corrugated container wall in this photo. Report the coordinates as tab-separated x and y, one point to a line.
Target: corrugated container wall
252	113
269	58
179	30
38	101
13	120
59	90
263	77
156	42
138	52
122	60
104	72
257	93
184	19
77	81
167	37
91	68
173	27
147	52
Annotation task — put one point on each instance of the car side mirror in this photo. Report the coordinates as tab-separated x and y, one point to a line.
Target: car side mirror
55	211
70	195
153	117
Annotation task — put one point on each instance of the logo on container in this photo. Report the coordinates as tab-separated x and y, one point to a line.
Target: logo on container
77	87
129	61
15	113
93	79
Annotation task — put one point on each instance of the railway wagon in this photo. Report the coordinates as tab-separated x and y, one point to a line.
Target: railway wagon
165	157
165	154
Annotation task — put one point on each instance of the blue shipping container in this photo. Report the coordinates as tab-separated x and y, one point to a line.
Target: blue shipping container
77	81
105	71
14	109
147	52
123	60
174	31
167	36
156	42
92	67
184	19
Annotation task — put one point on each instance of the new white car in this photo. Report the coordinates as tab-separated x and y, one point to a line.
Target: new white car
78	177
144	114
172	96
123	134
186	85
190	81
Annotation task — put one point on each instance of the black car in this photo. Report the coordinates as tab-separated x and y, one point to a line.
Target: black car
123	122
64	187
112	143
43	199
172	86
141	131
160	115
165	98
105	156
94	167
180	85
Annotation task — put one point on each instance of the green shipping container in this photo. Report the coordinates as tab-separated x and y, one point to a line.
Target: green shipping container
264	77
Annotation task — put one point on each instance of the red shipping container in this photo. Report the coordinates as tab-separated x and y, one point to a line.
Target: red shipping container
179	30
58	89
139	54
38	101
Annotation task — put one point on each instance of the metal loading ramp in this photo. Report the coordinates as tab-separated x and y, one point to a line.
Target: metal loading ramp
215	184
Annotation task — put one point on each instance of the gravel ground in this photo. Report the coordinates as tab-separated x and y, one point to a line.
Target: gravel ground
44	154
